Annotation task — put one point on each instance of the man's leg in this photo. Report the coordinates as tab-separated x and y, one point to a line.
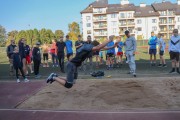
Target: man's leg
11	69
35	67
129	62
62	63
91	64
85	65
133	64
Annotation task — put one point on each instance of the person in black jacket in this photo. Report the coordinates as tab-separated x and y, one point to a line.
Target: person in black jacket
37	60
22	53
9	51
18	65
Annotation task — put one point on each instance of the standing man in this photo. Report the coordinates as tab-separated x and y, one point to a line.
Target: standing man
78	43
37	60
96	53
69	48
120	45
174	50
10	51
152	48
130	48
89	56
61	45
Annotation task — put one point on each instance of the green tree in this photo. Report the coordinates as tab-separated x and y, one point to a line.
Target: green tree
11	35
74	30
2	36
58	34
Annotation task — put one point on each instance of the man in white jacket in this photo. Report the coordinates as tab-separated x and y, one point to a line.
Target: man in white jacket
174	50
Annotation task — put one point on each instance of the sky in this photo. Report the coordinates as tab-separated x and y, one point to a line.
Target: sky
49	14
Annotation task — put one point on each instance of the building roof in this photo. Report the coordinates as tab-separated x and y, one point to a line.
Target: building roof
163	6
146	11
89	9
177	12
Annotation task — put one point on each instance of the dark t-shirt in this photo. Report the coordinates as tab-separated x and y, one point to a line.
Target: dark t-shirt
27	50
82	53
77	43
17	62
60	46
36	54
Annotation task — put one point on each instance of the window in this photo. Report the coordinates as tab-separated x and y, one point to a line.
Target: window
139	29
114	24
178	27
154	28
88	24
122	15
88	17
114	30
100	17
89	32
171	27
100	10
154	21
139	21
178	19
113	15
129	15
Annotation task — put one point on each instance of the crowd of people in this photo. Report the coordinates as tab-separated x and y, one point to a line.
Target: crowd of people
22	56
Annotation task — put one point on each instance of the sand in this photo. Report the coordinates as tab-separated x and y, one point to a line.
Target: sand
109	95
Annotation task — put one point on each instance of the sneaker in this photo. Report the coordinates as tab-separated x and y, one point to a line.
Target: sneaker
37	76
172	71
62	71
32	72
160	65
57	65
130	72
52	65
50	78
26	80
178	72
164	65
134	75
18	81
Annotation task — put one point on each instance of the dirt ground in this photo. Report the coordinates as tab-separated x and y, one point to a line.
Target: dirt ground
110	95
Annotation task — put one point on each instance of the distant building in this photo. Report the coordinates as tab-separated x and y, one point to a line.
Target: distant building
101	19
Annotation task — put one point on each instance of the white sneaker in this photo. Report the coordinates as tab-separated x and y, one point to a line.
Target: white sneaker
26	80
57	65
18	81
32	72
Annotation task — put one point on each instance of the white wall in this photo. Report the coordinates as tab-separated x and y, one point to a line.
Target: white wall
84	25
147	26
177	22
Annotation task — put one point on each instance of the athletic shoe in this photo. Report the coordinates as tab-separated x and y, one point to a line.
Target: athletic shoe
32	72
130	72
50	78
172	71
134	75
62	71
18	81
26	80
37	76
164	65
160	65
52	65
57	65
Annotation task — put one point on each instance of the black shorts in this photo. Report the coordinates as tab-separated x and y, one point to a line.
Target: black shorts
96	53
110	55
174	55
161	53
45	56
152	51
69	54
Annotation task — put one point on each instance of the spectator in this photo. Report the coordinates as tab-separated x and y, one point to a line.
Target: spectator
69	48
96	53
61	45
9	51
174	50
45	50
130	47
120	52
18	65
37	60
53	52
152	50
22	53
28	57
79	42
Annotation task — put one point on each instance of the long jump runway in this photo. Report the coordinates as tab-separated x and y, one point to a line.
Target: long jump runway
17	114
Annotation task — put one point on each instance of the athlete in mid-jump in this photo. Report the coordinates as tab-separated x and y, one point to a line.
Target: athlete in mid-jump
74	63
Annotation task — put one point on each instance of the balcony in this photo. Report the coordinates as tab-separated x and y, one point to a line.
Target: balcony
126	17
98	27
167	23
100	34
99	12
130	24
100	20
163	31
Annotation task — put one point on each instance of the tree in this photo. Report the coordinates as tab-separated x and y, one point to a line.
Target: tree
74	30
58	34
2	36
11	35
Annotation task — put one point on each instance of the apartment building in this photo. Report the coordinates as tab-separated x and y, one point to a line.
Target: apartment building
101	19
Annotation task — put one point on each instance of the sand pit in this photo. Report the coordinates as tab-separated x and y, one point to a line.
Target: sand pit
109	95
